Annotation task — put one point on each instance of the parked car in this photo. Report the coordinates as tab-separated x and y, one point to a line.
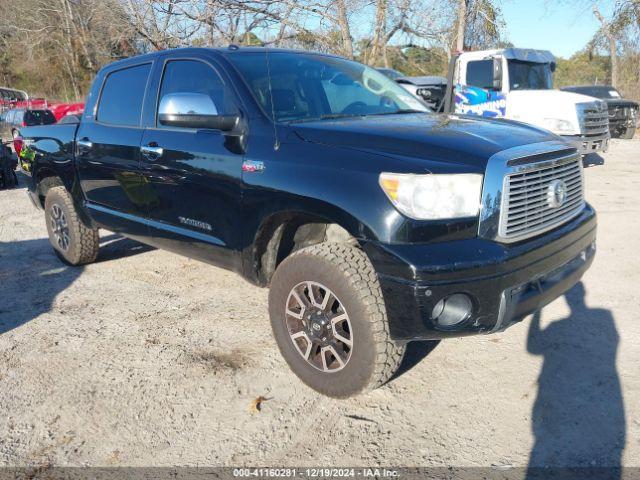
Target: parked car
71	118
13	120
390	73
61	110
373	221
430	89
623	114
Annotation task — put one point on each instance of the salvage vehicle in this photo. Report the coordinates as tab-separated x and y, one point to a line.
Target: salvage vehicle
373	221
517	84
10	97
430	89
13	120
390	73
623	114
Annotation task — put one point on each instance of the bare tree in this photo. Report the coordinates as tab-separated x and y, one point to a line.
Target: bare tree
461	24
608	32
478	24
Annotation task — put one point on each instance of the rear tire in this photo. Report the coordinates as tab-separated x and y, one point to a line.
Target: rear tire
628	133
72	241
347	317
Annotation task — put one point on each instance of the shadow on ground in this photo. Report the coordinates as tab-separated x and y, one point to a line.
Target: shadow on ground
31	275
416	352
592	160
578	417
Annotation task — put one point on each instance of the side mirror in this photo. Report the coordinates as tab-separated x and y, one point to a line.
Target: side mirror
194	110
497	73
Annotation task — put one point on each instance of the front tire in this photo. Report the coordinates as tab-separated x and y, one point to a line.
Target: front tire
329	320
72	241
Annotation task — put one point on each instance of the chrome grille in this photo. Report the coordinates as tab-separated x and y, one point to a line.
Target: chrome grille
528	202
595	119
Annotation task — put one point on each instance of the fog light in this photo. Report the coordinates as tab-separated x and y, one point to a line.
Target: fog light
452	310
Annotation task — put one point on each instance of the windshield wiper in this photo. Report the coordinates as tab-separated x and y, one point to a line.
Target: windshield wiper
328	116
333	116
400	112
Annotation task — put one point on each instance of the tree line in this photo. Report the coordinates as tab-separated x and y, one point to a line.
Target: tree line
53	48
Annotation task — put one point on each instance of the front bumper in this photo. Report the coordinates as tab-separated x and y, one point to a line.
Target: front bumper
506	282
617	125
589	143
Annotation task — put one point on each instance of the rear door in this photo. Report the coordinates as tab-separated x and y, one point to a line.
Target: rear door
108	152
196	178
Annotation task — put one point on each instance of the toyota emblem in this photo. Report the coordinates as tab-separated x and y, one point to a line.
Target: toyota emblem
556	193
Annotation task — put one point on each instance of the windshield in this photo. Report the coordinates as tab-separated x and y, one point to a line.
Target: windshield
307	87
529	76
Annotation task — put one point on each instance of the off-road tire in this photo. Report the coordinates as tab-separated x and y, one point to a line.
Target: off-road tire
84	242
347	272
628	133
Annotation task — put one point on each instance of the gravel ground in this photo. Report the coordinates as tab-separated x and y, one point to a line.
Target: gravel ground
147	358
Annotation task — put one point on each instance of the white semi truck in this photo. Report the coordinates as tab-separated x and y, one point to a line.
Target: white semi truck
517	84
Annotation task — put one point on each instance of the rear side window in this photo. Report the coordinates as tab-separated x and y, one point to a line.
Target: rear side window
39	117
480	74
122	96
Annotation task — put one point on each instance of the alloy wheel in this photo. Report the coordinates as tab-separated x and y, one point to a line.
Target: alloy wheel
59	227
319	326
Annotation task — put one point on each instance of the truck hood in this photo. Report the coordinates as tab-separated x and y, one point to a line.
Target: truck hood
540	107
457	139
613	102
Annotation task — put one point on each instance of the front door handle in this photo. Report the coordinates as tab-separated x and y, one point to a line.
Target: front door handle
151	152
84	145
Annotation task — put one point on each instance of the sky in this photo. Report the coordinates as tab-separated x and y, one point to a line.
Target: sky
561	27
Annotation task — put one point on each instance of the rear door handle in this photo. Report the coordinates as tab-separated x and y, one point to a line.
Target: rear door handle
84	145
151	152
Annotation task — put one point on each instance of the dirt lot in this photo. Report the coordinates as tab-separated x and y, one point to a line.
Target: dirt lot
147	358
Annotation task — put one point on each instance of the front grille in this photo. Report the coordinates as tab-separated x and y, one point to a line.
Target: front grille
595	119
529	197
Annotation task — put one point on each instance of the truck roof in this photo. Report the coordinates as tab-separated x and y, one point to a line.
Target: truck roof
230	50
522	54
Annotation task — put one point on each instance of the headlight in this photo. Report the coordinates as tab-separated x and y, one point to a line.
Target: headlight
434	196
557	125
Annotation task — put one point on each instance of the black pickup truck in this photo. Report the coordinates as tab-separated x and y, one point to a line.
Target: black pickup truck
374	221
623	114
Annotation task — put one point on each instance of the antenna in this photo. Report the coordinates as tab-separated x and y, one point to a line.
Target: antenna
276	146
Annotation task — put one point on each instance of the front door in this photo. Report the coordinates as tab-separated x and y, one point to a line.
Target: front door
108	153
194	173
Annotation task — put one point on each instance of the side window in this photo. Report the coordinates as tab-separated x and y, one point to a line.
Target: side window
193	76
480	73
122	96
